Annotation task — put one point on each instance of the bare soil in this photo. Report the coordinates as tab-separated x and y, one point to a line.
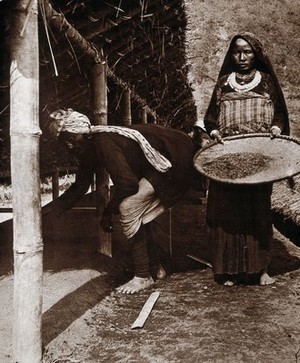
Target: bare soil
194	320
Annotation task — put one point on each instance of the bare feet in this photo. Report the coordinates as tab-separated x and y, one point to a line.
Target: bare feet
265	279
135	285
230	282
161	273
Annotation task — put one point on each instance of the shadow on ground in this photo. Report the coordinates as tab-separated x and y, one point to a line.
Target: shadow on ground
193	313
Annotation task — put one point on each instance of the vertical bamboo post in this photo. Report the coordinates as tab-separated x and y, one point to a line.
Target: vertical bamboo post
55	185
25	133
98	83
152	118
144	115
126	108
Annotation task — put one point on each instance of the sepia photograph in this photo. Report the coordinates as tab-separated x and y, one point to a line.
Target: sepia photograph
149	181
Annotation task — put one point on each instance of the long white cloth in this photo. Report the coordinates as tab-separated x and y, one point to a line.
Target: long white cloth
78	123
140	208
155	158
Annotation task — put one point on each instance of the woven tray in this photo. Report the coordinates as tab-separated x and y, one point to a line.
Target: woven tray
250	159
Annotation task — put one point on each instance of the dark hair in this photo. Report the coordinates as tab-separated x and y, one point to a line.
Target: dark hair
262	63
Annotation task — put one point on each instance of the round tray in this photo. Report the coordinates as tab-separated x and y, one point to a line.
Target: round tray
250	159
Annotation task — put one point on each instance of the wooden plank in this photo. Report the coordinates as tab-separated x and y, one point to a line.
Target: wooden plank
146	310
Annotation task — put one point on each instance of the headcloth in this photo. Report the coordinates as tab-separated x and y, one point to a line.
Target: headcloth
77	123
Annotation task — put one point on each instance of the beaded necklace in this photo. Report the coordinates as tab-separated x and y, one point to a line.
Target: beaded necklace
243	78
231	80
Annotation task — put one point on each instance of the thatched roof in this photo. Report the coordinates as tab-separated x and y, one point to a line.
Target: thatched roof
142	41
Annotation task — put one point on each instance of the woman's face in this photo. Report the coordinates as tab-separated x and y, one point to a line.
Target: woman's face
243	55
73	142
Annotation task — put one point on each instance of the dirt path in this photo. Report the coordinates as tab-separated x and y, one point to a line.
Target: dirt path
194	319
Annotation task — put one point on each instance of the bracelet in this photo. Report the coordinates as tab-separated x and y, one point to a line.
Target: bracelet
276	128
213	133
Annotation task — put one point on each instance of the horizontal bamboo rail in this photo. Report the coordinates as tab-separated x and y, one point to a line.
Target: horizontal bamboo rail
60	23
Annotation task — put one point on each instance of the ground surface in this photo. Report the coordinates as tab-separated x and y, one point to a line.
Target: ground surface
194	319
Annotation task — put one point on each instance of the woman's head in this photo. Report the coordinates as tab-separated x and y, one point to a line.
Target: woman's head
243	55
261	62
74	143
70	121
245	41
71	128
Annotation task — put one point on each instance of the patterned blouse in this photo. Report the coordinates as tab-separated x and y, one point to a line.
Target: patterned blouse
234	111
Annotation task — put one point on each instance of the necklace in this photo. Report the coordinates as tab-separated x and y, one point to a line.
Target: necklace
243	87
245	77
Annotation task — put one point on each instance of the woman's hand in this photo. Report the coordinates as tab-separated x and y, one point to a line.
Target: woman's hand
106	221
215	135
275	131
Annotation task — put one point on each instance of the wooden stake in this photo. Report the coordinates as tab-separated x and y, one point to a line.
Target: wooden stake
25	133
99	103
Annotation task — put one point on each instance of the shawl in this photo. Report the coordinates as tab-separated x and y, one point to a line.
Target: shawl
262	63
77	123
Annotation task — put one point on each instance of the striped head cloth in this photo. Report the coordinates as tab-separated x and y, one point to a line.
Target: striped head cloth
70	121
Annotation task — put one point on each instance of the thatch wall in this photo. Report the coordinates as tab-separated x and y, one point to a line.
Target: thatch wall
286	207
143	43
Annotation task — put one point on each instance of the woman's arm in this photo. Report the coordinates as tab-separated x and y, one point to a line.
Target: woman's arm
84	178
280	118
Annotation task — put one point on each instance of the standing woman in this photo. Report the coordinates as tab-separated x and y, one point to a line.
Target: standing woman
247	99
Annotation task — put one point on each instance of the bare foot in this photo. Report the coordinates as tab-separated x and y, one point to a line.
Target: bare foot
135	285
230	282
265	279
161	273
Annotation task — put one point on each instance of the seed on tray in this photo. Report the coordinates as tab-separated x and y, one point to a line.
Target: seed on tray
236	165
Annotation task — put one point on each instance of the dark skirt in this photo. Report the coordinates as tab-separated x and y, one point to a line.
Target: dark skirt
240	221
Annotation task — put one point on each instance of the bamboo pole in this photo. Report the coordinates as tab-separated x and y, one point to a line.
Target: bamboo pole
59	22
25	133
98	82
126	108
55	185
144	115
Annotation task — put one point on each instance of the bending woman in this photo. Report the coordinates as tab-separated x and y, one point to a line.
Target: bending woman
247	99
